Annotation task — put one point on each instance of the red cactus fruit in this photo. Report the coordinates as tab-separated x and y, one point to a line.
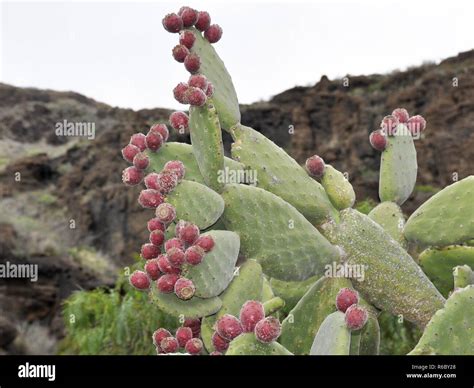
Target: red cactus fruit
198	81
151	181
389	124
172	23
251	313
219	343
179	93
140	280
150	199
175	257
162	129
187	38
416	125
129	152
268	329
173	243
149	251
205	242
188	15
166	282
194	255
157	237
132	176
203	21
210	90
138	140
141	161
183	335
180	52
196	97
155	224
356	317
166	213
176	167
167	181
184	289
315	166
165	266
378	140
169	345
154	141
345	298
229	327
194	324
179	121
152	269
188	233
159	335
192	62
213	34
194	346
401	115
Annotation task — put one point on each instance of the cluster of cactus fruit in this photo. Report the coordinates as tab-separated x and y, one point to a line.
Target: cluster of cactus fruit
284	253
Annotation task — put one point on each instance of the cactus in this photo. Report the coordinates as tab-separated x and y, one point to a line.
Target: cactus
258	231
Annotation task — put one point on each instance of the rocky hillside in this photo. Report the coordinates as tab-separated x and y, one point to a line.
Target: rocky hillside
63	205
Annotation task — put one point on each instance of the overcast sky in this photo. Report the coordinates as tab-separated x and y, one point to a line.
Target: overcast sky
118	52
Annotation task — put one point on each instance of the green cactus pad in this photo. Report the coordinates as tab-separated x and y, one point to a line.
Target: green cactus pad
390	217
278	173
272	306
438	264
184	153
246	285
215	272
225	97
273	232
291	292
267	292
355	343
451	330
463	276
206	140
193	308
303	322
248	345
333	337
196	203
392	280
370	337
447	218
338	188
398	167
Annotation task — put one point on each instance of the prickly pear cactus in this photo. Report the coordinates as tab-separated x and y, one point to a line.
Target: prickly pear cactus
258	255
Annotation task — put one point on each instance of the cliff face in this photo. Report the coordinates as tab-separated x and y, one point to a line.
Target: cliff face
64	206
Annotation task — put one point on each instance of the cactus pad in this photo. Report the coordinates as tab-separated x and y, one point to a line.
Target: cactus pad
338	188
390	217
333	337
248	345
273	232
463	276
370	337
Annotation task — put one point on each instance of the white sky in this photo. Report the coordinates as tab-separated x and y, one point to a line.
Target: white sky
118	52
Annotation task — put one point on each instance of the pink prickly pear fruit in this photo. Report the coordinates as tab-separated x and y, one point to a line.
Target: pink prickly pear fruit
183	335
151	181
159	335
132	176
378	140
179	225
192	62
188	233
176	167
228	327
155	224
203	21
150	251
213	34
401	115
169	345
157	238
315	166
172	23
195	96
194	324
150	199
179	93
173	243
141	161
416	125
175	257
268	329
154	141
210	90
345	298
129	152
198	81
162	129
140	280
194	255
188	15
187	38
152	269
179	121
165	283
205	242
166	267
138	140
356	317
389	124
166	213
184	289
180	52
166	182
194	346
251	313
219	343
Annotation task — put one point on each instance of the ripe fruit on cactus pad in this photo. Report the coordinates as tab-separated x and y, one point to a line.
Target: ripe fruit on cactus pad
251	313
229	327
140	280
268	330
